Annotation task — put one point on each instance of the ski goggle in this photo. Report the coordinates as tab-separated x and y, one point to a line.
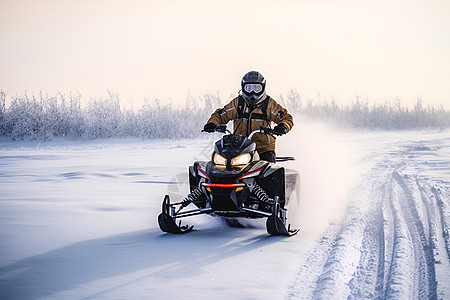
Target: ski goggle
253	87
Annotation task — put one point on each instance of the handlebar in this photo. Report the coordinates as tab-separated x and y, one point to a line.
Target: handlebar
220	128
262	129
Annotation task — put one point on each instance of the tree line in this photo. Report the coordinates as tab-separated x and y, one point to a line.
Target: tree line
45	117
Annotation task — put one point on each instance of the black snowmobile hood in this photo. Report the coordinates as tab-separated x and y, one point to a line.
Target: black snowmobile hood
233	145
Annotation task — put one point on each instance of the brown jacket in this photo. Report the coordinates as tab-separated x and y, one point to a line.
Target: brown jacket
248	121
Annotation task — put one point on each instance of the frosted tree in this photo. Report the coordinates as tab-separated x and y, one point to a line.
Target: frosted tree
44	117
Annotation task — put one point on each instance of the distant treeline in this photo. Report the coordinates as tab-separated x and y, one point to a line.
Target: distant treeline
359	114
43	117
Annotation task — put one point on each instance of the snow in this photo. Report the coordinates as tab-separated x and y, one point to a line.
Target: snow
78	220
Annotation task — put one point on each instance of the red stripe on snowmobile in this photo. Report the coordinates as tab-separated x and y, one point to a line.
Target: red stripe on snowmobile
250	173
203	172
223	184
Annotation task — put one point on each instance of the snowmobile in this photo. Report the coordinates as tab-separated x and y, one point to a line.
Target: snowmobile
234	184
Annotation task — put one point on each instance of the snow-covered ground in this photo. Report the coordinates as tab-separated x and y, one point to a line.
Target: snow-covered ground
78	220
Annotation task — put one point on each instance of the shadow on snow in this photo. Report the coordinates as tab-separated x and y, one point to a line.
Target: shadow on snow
173	256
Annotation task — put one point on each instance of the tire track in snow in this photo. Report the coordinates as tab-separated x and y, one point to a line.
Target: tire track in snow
383	248
356	266
412	272
342	262
439	240
302	286
343	272
394	239
366	281
400	278
444	214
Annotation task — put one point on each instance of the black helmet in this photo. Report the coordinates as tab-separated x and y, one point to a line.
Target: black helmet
253	87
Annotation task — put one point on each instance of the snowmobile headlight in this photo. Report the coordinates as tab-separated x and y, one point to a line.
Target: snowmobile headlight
242	159
219	159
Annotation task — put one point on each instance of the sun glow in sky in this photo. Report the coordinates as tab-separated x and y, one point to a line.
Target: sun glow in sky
376	50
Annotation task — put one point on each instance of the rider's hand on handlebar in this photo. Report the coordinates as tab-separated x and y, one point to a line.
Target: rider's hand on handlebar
280	129
210	127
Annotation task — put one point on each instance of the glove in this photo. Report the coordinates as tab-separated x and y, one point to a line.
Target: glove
210	127
280	129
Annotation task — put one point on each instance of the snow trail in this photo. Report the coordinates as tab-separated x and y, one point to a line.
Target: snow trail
393	240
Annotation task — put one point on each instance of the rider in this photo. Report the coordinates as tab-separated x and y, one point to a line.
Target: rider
251	110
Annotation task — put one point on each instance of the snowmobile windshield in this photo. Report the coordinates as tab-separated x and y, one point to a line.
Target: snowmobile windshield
253	88
233	145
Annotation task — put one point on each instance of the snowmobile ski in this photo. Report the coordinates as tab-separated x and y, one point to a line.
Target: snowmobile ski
167	222
276	223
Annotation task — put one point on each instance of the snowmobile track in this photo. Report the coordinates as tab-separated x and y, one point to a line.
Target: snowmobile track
393	237
444	220
412	249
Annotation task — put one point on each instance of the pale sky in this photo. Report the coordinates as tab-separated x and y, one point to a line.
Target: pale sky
378	50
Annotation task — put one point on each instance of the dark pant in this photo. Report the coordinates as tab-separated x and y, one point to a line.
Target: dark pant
268	156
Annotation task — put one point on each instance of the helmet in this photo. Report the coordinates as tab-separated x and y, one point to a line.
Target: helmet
253	87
